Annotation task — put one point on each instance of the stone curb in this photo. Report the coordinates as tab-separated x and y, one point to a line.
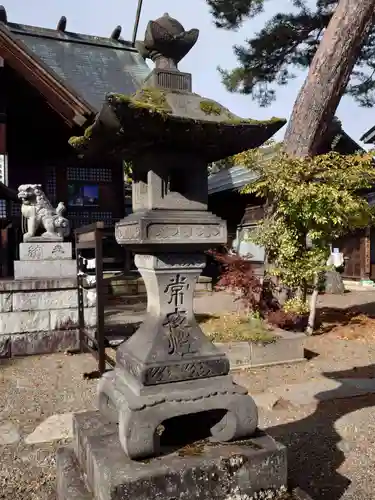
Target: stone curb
287	349
241	355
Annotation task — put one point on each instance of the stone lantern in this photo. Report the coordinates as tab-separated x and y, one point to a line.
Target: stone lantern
169	375
169	368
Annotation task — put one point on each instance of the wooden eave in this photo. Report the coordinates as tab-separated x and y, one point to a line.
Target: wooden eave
7	193
71	107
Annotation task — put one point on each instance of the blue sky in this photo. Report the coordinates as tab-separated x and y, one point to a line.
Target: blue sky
214	47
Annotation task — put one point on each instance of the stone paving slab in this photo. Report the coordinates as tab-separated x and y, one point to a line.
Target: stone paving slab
53	428
265	400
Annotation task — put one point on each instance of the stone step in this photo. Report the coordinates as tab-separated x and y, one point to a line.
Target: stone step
70	483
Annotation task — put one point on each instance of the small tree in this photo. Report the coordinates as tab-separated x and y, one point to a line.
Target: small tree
311	202
238	277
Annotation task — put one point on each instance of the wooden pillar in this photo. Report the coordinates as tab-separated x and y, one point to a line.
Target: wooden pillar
3	138
5	265
366	266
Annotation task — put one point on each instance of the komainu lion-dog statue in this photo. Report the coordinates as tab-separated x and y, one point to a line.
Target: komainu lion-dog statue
38	212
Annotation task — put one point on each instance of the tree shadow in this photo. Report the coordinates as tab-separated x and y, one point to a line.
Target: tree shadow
202	318
314	455
330	317
7	361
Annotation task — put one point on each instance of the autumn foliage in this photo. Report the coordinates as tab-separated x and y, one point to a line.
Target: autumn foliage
239	278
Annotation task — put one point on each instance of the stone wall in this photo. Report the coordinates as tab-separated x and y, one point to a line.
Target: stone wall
40	316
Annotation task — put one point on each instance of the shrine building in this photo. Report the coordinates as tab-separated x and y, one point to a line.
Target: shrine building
243	212
53	83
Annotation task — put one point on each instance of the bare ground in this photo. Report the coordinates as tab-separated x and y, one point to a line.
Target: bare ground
331	445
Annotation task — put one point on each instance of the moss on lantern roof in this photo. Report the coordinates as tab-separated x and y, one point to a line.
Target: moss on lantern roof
210	107
174	118
151	99
251	121
78	142
157	100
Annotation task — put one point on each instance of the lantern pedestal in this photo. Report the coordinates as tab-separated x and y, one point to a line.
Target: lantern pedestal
200	470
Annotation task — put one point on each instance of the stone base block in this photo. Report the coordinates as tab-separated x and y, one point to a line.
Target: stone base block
70	483
41	316
44	321
4	346
36	269
53	250
36	343
201	471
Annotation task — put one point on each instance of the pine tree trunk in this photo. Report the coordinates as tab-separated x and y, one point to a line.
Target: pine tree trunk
325	84
328	76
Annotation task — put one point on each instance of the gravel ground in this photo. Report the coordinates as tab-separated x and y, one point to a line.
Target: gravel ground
32	389
331	445
329	355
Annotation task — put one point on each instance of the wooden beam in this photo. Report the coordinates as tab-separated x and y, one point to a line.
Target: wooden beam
7	193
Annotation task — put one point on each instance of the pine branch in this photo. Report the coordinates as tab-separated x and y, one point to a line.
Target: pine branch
286	44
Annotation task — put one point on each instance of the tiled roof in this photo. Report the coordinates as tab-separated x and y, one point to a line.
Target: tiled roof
91	66
230	179
238	177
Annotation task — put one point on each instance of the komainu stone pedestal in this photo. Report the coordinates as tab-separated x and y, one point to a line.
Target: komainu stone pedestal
98	468
40	316
45	259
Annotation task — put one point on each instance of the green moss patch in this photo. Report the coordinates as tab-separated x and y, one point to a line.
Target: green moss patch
250	121
211	107
236	328
151	99
88	132
77	142
80	141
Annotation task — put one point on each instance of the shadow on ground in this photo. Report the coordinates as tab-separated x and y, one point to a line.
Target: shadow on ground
203	318
313	442
330	317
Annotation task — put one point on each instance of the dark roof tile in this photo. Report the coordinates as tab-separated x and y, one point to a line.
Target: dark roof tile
91	66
